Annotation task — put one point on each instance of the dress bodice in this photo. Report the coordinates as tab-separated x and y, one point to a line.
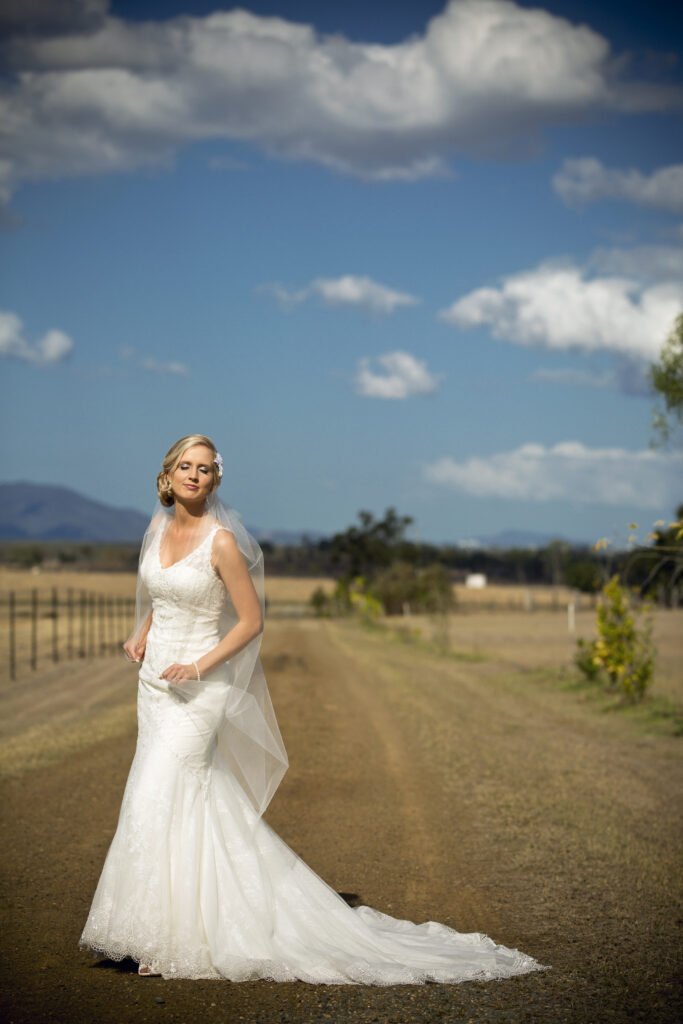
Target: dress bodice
188	598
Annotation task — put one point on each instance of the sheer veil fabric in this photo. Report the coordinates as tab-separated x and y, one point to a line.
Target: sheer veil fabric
196	884
248	737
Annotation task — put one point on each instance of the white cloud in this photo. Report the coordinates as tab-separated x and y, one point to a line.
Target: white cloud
27	17
484	77
643	262
568	471
151	364
53	347
227	163
349	290
401	376
561	307
155	366
577	378
586	180
629	377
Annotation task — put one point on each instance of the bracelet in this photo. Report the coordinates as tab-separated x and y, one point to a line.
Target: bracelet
199	678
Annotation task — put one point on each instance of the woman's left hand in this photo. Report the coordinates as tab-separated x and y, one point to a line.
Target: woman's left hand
179	673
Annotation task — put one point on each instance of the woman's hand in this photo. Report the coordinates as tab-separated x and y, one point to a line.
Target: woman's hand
179	673
134	651
134	647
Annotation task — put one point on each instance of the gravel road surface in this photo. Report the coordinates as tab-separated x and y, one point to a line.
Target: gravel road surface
426	786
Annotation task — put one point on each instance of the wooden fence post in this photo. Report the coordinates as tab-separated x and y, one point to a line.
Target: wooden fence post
100	618
82	616
34	629
70	623
91	625
55	625
12	638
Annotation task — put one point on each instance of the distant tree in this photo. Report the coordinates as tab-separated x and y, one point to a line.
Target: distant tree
556	555
664	561
26	555
582	574
424	590
363	550
666	378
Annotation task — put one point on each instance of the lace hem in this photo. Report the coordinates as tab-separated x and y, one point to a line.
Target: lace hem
240	969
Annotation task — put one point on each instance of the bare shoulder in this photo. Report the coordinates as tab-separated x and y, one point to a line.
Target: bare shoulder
225	546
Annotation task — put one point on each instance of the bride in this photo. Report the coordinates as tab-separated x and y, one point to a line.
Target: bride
195	883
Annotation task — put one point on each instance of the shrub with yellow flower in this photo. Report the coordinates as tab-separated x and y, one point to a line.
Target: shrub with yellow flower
623	651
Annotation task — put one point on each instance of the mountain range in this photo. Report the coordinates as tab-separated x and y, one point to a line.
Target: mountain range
44	512
506	539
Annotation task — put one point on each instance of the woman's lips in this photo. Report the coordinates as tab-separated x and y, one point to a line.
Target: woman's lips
191	487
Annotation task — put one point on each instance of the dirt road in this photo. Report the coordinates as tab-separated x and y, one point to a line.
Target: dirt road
425	786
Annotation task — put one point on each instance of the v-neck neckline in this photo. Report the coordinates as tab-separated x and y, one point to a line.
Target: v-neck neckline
165	568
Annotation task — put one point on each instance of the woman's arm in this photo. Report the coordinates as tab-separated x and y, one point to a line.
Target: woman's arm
231	567
135	647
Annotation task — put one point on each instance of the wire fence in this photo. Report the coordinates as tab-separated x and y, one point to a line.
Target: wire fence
60	624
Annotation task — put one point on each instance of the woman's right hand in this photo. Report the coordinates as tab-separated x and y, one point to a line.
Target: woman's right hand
134	651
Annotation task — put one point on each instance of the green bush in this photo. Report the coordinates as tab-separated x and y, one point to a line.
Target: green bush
585	660
582	575
424	590
320	603
26	555
623	652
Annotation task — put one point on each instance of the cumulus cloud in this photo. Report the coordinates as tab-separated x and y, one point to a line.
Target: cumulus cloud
586	180
401	376
628	376
568	471
52	348
46	18
562	307
227	163
484	77
643	262
572	377
151	364
349	290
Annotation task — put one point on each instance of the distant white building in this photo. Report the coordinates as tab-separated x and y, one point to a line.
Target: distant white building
476	580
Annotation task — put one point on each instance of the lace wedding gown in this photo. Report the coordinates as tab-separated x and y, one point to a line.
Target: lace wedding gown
196	886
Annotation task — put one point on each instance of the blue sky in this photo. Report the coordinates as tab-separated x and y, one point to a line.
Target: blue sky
412	254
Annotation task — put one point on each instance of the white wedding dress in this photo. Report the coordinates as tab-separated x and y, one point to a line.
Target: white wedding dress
195	885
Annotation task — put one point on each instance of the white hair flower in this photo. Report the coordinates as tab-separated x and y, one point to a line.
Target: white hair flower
218	459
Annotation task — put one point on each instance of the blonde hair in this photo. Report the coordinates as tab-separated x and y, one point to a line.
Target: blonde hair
171	460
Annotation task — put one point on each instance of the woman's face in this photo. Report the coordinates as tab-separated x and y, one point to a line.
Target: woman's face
192	479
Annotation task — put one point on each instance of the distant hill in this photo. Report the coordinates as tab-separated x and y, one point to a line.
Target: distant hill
42	512
516	539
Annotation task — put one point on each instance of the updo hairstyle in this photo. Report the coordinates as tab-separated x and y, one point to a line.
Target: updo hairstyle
172	459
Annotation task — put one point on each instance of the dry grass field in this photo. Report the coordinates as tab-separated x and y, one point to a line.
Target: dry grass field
289	589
